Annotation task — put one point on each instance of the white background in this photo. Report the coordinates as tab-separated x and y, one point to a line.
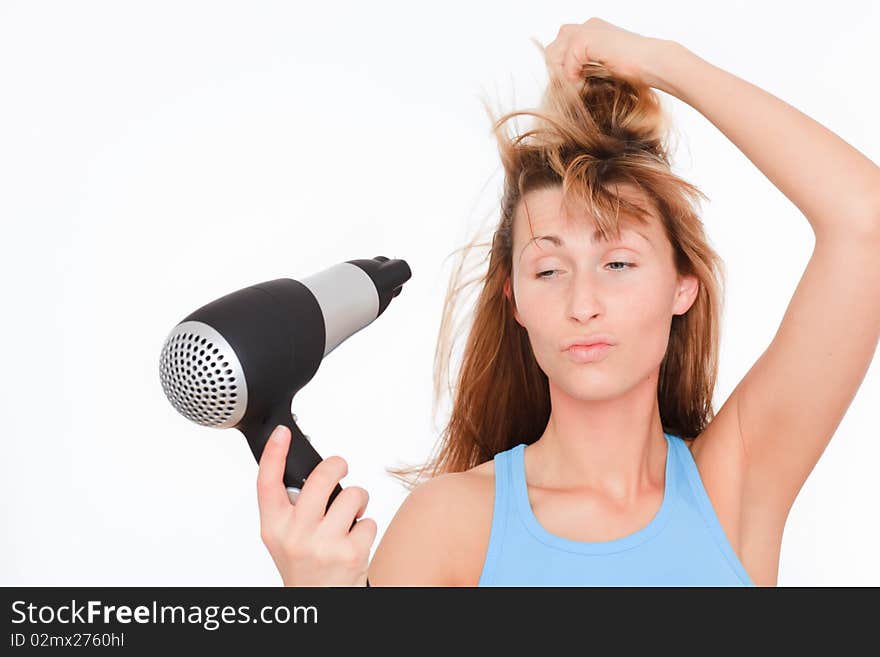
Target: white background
157	155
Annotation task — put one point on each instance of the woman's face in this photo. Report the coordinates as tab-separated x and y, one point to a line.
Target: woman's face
627	289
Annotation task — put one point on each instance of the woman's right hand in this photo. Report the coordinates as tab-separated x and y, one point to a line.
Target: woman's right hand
308	547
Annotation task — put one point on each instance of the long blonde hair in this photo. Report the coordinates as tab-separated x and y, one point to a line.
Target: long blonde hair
587	138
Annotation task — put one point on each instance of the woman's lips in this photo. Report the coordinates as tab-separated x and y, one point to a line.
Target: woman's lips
582	354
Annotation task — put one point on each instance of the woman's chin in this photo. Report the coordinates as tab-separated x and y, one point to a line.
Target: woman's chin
594	390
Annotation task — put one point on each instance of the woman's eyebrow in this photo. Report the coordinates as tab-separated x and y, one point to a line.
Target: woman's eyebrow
596	237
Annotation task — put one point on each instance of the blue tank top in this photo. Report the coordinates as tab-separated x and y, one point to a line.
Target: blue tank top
683	545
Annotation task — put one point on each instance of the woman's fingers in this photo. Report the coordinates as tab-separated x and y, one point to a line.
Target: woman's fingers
363	534
554	53
271	492
351	503
560	61
312	501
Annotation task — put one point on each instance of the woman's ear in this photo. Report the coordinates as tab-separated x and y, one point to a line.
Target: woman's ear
509	294
685	294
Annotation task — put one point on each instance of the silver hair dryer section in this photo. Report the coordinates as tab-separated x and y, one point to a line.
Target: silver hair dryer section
348	299
238	361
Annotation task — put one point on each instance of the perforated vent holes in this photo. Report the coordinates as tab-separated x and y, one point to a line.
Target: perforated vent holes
202	377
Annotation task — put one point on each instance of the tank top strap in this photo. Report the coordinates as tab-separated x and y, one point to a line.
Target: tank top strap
700	497
502	508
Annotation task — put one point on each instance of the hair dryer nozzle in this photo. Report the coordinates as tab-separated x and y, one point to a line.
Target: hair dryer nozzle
387	275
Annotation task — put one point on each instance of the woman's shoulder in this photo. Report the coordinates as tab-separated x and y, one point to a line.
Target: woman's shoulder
482	471
468	491
468	498
447	519
440	533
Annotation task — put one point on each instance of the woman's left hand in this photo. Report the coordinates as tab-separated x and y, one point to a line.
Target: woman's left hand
624	53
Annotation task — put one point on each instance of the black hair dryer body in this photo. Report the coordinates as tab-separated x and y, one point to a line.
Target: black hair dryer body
238	361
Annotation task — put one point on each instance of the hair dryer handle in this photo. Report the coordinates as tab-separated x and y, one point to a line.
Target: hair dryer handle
302	458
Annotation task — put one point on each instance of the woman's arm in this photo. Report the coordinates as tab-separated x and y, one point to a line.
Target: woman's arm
835	186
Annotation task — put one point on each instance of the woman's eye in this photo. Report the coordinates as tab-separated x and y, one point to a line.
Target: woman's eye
628	265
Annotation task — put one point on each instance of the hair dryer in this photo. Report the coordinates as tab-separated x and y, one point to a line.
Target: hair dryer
239	360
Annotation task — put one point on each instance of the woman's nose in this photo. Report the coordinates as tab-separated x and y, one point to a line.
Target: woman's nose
585	298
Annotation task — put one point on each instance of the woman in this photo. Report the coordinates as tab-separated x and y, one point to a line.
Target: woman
605	465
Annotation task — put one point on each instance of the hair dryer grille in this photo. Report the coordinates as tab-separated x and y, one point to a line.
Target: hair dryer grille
202	377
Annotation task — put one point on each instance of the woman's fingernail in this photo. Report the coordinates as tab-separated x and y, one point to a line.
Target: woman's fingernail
278	434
